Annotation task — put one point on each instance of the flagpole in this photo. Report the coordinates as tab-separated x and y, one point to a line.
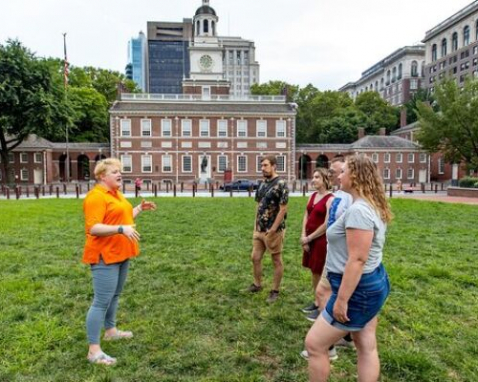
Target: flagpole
65	80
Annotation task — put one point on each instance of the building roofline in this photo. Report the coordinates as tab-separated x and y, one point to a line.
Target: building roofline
453	19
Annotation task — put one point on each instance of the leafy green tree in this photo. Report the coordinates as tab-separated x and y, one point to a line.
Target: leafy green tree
31	102
378	113
422	95
276	88
454	130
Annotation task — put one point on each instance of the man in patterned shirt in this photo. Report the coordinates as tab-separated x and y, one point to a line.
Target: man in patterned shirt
269	229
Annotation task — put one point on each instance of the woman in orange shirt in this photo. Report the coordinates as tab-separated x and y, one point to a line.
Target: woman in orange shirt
111	240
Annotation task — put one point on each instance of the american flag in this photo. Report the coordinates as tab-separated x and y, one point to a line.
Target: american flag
66	64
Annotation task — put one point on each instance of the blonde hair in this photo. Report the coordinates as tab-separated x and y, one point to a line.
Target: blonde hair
103	165
324	173
368	183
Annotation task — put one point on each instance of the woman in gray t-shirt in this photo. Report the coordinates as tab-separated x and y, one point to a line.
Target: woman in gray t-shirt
358	279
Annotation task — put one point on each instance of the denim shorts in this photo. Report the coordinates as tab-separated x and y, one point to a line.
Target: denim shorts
364	304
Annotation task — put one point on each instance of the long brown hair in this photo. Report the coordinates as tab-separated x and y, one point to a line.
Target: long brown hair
368	183
324	174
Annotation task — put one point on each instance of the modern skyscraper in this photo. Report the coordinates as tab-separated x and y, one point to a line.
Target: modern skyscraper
136	67
168	56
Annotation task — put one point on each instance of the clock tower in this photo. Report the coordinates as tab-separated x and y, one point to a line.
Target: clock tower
206	56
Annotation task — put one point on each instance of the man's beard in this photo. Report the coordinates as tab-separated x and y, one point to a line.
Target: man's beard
267	175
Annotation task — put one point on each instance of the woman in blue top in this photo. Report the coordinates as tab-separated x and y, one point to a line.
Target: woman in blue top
358	279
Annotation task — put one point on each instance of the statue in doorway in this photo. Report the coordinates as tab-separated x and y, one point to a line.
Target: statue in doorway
203	164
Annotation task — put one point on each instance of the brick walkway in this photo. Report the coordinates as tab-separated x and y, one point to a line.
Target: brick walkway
441	197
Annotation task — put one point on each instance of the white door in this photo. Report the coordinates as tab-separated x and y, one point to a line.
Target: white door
37	176
422	176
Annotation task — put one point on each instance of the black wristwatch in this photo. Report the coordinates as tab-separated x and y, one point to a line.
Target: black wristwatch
120	229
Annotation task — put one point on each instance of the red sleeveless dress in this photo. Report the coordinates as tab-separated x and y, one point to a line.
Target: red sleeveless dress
315	259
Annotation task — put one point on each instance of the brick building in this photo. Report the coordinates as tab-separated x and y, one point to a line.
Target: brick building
184	138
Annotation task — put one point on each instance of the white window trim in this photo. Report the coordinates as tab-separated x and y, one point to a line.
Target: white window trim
242	121
285	164
258	163
208	128
375	157
240	156
284	123
182	164
412	155
122	159
413	173
261	122
35	158
227	162
163	121
150	129
424	156
170	163
441	163
21	158
396	158
124	121
22	171
183	121
143	157
396	173
385	156
388	175
223	121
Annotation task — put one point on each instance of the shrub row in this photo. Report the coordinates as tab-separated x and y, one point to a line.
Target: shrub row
469	182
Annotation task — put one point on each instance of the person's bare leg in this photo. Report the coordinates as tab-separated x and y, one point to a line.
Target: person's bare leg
368	363
322	295
321	336
256	258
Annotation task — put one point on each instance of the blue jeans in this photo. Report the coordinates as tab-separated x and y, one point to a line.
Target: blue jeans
108	282
364	304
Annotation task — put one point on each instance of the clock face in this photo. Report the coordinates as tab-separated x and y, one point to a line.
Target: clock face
205	62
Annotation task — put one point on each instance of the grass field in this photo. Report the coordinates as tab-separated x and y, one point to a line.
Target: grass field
185	297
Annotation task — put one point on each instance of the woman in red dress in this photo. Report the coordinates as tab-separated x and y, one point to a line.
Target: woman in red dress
314	242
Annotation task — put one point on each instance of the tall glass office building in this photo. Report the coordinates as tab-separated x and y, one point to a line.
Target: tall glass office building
136	67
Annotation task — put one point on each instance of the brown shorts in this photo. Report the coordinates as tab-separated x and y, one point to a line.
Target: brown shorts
273	242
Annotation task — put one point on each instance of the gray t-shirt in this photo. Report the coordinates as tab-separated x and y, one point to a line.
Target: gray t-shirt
360	215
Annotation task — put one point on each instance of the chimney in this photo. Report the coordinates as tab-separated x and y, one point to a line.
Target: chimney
403	117
382	132
361	132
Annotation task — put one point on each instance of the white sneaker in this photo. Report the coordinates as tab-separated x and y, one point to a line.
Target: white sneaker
332	354
346	344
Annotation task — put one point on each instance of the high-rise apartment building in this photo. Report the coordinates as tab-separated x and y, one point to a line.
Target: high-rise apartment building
452	47
396	77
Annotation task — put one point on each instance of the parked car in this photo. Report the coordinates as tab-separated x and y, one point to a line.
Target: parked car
239	185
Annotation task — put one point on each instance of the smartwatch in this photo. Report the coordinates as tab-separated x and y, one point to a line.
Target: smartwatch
120	229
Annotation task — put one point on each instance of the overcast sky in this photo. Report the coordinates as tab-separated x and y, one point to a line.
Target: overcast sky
324	42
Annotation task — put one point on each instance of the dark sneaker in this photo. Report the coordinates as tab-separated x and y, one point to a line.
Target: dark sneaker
254	288
310	308
313	315
273	296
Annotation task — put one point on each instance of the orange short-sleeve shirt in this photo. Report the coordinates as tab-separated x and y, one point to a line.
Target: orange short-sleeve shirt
109	207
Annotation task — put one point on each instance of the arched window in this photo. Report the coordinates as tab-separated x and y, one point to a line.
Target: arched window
213	27
366	88
388	78
443	47
381	83
394	74
206	26
400	70
376	85
434	52
466	35
454	42
371	87
423	69
414	69
198	28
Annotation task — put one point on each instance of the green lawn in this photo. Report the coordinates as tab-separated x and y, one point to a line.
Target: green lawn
185	297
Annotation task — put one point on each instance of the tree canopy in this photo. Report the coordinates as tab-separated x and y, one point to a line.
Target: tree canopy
454	129
31	102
